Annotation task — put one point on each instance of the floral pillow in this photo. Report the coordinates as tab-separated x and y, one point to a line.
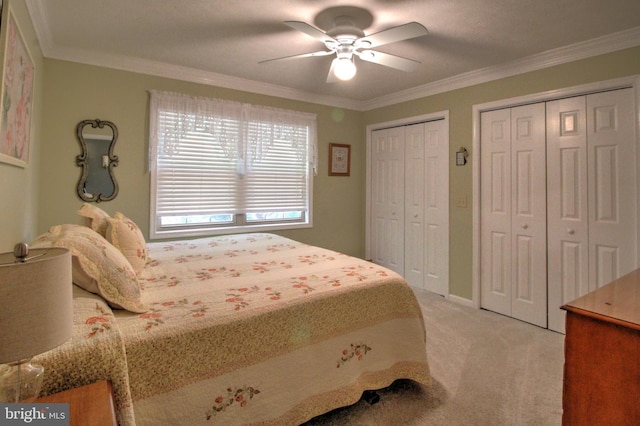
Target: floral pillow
97	266
125	235
96	216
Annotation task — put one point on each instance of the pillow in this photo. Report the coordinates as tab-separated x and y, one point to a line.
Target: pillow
97	266
125	235
96	216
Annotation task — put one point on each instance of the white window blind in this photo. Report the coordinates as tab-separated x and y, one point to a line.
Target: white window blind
216	162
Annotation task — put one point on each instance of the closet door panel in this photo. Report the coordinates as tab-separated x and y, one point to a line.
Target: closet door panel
498	273
524	243
567	209
529	214
612	183
378	209
436	205
387	204
523	274
414	205
395	194
495	211
378	197
436	250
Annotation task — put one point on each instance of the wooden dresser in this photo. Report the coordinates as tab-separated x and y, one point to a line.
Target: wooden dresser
602	356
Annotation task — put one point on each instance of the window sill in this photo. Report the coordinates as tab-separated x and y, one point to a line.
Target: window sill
210	232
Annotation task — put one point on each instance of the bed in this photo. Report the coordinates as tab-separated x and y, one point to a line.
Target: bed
239	329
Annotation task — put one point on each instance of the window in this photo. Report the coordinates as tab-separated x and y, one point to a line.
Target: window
220	166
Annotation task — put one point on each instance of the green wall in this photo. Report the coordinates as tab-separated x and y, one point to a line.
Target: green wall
75	92
460	102
43	194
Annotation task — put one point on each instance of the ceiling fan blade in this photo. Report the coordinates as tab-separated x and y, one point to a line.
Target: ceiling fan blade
303	55
310	31
388	60
391	35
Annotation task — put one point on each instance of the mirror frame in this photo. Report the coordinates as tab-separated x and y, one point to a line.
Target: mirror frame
82	160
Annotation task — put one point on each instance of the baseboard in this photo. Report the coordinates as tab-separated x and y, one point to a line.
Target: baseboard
461	301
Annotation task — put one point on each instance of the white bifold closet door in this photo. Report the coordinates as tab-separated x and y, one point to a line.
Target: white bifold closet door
410	211
387	189
513	213
593	182
558	203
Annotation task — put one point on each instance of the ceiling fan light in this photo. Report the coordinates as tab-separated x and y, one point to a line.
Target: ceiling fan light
344	68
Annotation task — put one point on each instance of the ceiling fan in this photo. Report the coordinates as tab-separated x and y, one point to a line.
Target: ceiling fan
347	40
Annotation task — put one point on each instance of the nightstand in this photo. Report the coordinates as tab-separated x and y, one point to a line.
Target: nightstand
88	405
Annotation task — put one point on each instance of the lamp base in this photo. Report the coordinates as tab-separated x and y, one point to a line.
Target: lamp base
20	382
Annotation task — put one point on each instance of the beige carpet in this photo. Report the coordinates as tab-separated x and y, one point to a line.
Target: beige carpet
486	369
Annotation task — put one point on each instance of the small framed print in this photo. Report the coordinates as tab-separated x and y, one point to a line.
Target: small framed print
339	159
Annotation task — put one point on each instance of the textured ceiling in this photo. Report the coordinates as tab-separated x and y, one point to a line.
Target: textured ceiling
223	41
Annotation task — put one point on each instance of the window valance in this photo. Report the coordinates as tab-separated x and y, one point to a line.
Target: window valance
244	132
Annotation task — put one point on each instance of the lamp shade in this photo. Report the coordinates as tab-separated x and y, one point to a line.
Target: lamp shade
36	313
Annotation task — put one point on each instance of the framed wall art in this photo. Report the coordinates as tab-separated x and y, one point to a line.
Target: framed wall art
17	96
339	159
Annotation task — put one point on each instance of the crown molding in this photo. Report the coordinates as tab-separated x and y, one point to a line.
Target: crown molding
51	50
177	72
606	44
602	45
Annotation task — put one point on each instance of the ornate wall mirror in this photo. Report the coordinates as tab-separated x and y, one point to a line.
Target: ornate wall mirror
97	139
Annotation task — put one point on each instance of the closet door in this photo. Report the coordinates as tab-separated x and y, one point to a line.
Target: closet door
387	203
513	213
410	203
436	206
529	214
567	208
592	195
427	206
495	211
612	186
414	226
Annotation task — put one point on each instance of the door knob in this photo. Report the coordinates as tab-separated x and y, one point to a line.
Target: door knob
571	231
525	226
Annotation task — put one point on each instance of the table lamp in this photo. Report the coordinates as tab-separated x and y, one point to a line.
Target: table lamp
36	315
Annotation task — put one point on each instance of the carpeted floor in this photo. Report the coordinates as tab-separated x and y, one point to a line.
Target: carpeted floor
486	369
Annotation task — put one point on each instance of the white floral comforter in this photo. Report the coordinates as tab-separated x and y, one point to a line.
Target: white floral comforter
260	329
95	352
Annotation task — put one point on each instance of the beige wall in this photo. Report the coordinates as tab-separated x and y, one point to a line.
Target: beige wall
43	194
460	103
75	92
19	186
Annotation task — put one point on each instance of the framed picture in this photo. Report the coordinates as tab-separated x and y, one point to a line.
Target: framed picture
339	159
17	96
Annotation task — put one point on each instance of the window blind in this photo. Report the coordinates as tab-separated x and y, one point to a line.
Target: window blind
213	157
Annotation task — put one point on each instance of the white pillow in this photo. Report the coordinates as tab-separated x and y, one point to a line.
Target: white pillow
97	217
97	266
125	235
